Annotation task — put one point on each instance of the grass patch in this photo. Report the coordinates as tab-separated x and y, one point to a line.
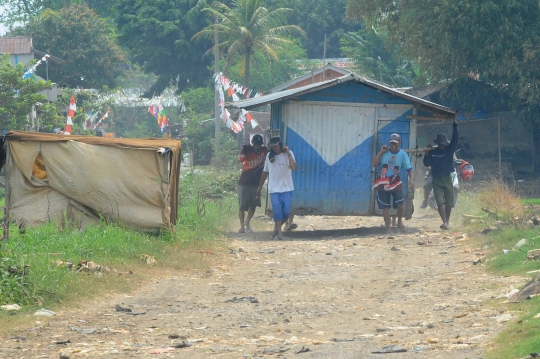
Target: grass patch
515	261
30	275
520	338
497	196
531	201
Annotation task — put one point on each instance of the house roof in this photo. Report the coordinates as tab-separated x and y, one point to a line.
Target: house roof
423	91
294	93
288	84
16	45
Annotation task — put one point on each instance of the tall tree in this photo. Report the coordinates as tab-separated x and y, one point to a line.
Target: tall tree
376	58
18	95
157	33
18	12
248	26
496	41
320	18
77	35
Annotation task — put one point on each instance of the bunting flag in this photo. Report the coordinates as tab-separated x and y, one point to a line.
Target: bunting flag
70	115
162	119
32	70
233	90
102	118
89	120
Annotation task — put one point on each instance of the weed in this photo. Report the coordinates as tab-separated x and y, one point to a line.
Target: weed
497	196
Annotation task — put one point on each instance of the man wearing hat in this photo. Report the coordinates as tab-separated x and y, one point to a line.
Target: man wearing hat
278	168
388	185
441	161
253	162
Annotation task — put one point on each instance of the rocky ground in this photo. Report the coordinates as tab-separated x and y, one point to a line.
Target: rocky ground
336	287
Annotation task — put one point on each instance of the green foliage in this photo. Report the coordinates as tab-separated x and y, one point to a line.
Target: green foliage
157	34
79	36
17	95
245	27
269	72
199	130
493	41
319	18
15	284
199	100
378	59
14	12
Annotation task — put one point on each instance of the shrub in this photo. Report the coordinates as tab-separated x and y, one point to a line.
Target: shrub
499	197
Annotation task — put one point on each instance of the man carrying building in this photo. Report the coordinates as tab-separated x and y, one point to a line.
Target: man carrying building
388	185
253	162
278	168
441	161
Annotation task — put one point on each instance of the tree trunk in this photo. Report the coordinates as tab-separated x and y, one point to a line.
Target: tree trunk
247	66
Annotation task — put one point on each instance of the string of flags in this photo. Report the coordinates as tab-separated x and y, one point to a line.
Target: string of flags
158	111
32	70
70	115
233	90
102	118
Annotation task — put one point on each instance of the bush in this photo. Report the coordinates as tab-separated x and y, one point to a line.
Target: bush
500	198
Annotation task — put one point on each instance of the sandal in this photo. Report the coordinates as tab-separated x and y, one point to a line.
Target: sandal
291	227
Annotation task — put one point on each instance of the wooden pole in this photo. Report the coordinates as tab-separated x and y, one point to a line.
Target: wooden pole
217	123
324	60
499	145
7	192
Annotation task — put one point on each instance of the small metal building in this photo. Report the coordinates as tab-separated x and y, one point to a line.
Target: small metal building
334	129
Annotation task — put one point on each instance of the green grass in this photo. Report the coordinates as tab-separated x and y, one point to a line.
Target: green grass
515	262
520	338
531	201
206	202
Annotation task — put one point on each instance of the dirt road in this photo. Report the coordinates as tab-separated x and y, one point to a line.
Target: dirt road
334	288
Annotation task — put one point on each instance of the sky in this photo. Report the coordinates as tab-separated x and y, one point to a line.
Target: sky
3	29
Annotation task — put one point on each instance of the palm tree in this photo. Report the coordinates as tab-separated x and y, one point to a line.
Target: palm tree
245	27
377	58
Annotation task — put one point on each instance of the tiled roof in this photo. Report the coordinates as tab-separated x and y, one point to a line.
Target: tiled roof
15	45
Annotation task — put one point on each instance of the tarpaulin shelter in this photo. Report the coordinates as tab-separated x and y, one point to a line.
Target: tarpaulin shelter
133	182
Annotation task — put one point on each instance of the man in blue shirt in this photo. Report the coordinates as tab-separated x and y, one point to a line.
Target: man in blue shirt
388	184
441	161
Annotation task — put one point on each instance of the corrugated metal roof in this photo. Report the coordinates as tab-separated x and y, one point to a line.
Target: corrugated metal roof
293	93
307	76
15	45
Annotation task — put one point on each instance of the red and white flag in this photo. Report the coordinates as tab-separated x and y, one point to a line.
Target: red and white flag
70	115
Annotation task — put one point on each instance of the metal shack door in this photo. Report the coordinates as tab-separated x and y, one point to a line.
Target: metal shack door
392	120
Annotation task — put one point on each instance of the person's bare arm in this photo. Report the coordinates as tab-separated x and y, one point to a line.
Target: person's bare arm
377	159
264	176
292	161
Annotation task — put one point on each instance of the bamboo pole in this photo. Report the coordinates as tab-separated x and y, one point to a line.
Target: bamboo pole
8	194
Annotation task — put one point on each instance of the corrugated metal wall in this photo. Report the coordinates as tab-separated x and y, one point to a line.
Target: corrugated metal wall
332	144
334	134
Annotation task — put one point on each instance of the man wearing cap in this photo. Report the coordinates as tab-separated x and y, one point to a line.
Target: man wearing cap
278	168
388	186
441	161
253	163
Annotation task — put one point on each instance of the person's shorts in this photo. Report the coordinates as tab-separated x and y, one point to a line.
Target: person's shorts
443	189
247	198
388	199
281	205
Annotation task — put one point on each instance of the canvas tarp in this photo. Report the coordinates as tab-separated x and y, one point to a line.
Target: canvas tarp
126	181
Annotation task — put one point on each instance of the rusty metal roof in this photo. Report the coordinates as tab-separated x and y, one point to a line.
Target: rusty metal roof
15	45
296	92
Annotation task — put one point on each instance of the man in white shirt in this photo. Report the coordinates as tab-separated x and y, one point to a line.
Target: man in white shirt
278	168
